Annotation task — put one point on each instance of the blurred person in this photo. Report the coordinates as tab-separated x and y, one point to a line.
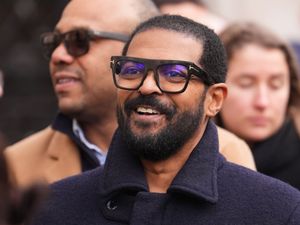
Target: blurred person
79	50
263	104
193	9
3	138
26	73
1	83
78	139
163	165
17	206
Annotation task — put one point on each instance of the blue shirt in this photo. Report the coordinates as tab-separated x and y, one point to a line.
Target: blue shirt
99	153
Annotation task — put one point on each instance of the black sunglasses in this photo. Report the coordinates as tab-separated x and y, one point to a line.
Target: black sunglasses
77	42
171	76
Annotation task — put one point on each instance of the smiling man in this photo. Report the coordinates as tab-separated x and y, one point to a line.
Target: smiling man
78	51
163	165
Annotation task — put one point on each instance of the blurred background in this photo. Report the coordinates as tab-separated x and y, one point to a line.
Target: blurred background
29	103
281	16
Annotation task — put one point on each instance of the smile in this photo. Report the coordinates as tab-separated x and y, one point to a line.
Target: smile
146	111
65	80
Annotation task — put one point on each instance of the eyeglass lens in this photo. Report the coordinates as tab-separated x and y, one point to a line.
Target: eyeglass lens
171	77
76	42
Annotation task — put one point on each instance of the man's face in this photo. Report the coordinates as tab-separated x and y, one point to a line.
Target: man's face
83	85
155	124
258	81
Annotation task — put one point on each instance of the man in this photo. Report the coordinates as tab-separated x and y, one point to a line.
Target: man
79	137
80	47
163	165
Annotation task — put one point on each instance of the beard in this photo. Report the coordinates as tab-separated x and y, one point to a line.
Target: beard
168	141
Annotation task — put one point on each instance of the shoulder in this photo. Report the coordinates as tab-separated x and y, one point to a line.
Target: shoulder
241	177
71	200
267	195
29	150
45	156
31	142
295	112
38	143
78	183
235	149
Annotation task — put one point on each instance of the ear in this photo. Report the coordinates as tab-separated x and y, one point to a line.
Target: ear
215	96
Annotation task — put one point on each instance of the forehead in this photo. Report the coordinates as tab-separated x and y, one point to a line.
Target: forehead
158	43
96	14
255	60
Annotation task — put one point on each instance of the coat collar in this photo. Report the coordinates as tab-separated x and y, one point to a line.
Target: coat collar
64	124
198	177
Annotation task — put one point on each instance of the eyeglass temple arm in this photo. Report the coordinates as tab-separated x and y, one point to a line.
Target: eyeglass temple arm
207	79
111	35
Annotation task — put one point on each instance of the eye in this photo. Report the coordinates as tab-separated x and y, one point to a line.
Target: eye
129	69
276	83
245	82
173	73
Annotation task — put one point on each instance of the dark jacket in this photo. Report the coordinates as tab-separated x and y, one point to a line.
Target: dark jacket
279	155
207	190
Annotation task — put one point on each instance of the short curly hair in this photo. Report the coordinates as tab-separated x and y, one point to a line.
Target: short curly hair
213	59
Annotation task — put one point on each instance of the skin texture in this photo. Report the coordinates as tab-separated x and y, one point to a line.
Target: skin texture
197	12
258	84
148	44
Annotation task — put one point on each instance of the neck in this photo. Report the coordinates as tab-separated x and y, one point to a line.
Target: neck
100	132
160	175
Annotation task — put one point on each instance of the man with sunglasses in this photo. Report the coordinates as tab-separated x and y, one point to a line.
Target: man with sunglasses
79	50
163	165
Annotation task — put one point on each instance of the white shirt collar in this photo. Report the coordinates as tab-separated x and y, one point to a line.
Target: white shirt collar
101	156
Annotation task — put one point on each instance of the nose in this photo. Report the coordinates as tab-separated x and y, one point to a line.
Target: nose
262	97
60	55
149	85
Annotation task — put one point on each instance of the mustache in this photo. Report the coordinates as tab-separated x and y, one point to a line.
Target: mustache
149	100
65	68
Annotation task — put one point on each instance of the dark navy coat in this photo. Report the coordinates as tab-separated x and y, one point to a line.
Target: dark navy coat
208	190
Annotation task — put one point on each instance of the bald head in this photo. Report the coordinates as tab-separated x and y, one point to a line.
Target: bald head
115	16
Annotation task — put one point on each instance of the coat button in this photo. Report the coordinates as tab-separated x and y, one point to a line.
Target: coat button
111	205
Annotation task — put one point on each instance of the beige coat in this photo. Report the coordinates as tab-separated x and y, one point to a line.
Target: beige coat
46	156
49	155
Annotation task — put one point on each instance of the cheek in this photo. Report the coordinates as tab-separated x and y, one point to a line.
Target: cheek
122	97
237	101
280	102
190	98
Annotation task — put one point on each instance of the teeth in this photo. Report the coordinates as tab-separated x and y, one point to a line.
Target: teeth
146	110
64	80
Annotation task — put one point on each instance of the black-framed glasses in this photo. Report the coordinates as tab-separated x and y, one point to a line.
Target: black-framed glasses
77	41
171	76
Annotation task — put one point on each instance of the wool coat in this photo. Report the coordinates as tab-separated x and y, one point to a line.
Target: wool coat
207	190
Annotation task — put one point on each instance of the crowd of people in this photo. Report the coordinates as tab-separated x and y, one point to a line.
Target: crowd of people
163	118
